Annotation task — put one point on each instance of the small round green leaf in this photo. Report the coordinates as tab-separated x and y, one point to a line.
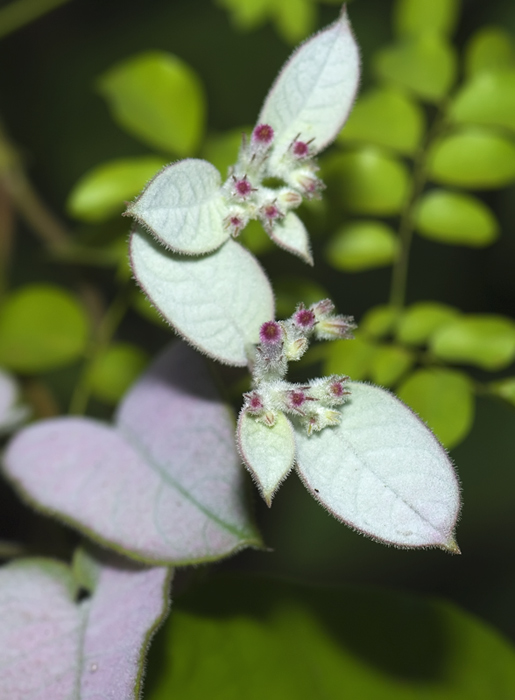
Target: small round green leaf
505	389
389	363
386	117
379	321
368	181
350	357
414	17
115	370
474	158
456	219
484	340
103	191
425	65
418	323
159	99
487	99
268	452
41	327
490	49
362	245
444	399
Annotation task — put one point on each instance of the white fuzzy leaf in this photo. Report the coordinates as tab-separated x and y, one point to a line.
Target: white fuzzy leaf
217	302
313	94
268	452
183	207
290	233
383	472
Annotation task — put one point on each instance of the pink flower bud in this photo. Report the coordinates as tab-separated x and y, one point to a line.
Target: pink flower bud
243	187
263	134
322	309
235	224
304	318
300	149
271	333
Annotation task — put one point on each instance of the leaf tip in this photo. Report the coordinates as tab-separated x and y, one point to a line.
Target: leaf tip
451	546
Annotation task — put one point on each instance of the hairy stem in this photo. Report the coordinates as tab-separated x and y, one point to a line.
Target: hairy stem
21	12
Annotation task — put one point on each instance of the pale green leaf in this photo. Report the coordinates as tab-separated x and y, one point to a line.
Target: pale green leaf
41	327
105	190
244	637
159	99
350	357
368	181
255	238
385	117
362	245
490	49
382	472
419	321
414	17
425	65
246	14
268	452
484	340
217	302
12	411
291	235
456	219
183	207
379	321
444	399
390	363
505	388
474	158
115	369
294	19
326	67
488	99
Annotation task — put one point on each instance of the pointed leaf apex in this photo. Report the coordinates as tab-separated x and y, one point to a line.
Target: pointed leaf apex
451	546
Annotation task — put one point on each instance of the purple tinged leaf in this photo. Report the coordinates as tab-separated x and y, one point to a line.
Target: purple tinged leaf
53	647
163	485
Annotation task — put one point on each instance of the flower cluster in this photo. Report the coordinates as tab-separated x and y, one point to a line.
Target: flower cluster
314	403
246	196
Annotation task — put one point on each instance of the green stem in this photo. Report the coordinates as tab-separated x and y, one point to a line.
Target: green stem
407	219
21	12
103	336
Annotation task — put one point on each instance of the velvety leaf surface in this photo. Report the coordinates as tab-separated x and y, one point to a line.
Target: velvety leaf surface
245	638
385	117
183	207
104	190
362	245
217	302
54	647
159	99
314	92
268	452
382	471
164	484
291	234
41	327
443	398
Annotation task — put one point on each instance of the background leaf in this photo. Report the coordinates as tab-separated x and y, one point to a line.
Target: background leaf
325	642
42	326
350	357
367	181
419	321
115	369
443	398
159	99
425	64
390	362
382	472
487	99
379	321
485	340
385	117
217	302
490	49
105	190
53	646
455	219
12	411
414	17
163	485
473	158
362	245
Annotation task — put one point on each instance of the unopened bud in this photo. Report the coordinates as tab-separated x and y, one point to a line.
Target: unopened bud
263	134
271	333
293	350
335	328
